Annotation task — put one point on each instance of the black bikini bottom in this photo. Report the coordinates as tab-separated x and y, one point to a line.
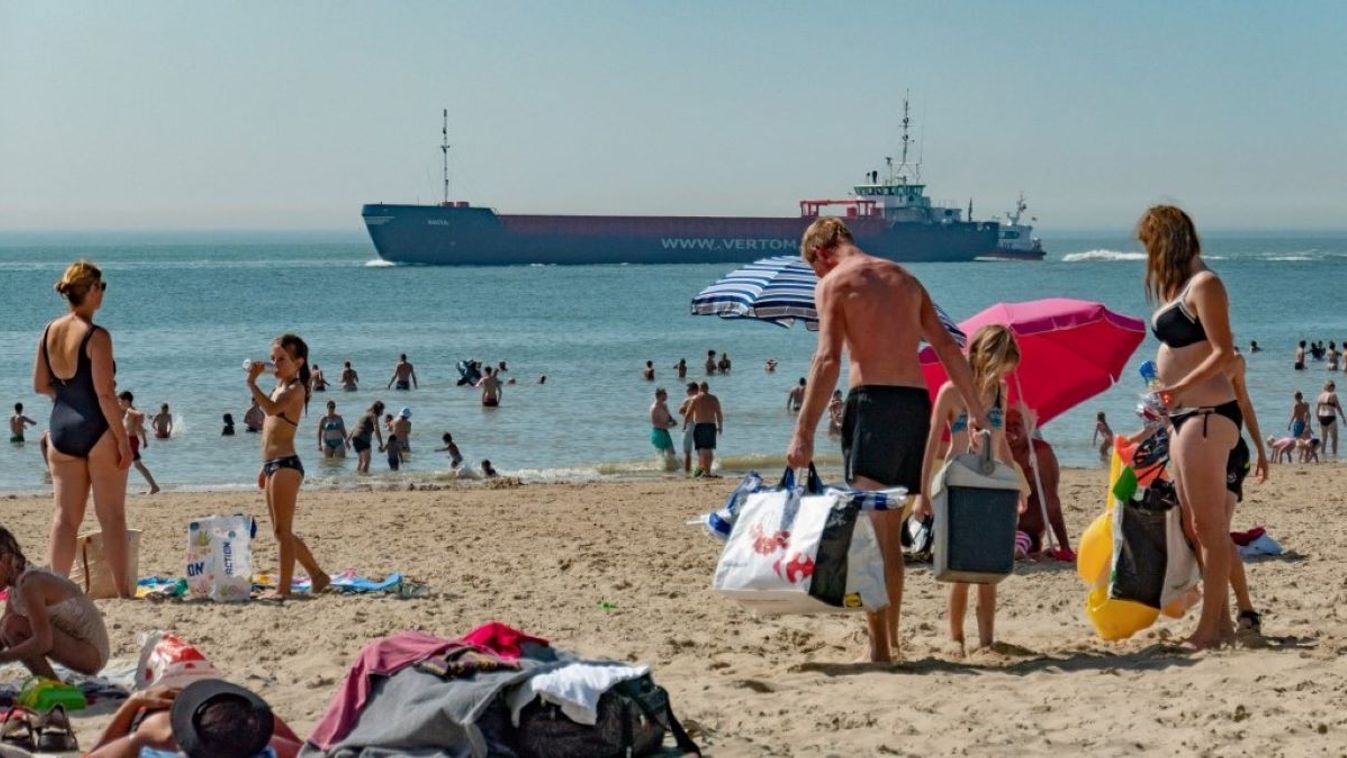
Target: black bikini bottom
276	464
1228	409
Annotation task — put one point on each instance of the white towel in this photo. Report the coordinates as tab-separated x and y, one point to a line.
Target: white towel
576	688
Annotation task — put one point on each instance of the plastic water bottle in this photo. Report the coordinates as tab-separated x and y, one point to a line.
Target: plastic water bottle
249	363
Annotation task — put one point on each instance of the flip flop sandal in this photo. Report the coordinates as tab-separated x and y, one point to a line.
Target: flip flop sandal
54	733
17	730
1250	621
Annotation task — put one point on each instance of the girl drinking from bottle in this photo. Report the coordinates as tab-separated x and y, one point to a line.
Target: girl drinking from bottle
282	473
992	354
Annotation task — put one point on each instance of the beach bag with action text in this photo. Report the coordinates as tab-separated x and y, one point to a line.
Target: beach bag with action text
219	558
795	551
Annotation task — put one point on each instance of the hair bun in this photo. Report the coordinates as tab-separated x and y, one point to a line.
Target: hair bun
62	287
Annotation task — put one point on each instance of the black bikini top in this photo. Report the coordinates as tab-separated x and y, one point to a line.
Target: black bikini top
1175	326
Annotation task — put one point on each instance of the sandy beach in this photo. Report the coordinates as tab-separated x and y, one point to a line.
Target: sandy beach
545	557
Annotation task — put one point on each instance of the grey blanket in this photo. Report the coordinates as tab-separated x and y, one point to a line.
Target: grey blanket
420	715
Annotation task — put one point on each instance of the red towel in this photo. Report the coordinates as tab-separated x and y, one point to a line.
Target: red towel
1244	538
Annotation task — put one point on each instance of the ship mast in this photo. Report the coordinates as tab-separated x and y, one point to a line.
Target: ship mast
444	149
903	165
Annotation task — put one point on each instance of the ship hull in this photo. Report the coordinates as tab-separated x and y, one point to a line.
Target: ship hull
448	235
1010	254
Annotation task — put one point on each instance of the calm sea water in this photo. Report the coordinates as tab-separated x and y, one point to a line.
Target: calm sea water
185	311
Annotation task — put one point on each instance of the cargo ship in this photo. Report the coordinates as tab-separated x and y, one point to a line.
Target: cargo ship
890	216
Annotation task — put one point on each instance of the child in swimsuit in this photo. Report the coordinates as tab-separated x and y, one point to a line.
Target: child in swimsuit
282	472
69	630
18	423
455	457
163	423
992	354
394	449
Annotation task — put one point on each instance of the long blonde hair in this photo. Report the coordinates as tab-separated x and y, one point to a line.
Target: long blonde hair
1171	243
991	353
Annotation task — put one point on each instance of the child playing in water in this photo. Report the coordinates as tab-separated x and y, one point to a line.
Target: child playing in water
1101	429
228	430
18	423
394	449
47	618
992	354
162	423
488	470
455	457
282	472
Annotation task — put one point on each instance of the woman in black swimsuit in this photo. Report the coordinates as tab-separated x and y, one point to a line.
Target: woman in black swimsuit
1329	410
366	429
282	472
89	448
1194	365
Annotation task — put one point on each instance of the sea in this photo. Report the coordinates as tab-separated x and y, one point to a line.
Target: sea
185	310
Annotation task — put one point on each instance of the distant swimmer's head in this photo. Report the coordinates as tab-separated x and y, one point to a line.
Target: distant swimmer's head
402	357
163	408
1171	243
542	379
18	407
821	242
347	364
228	419
692	388
1329	386
660	394
377	408
992	353
649	364
1299	396
802	381
290	354
704	387
447	438
126	399
82	280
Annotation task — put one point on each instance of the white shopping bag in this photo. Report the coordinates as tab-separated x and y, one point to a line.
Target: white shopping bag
796	553
219	558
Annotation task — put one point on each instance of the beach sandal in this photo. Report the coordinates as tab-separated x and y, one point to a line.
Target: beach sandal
1062	554
1250	621
17	730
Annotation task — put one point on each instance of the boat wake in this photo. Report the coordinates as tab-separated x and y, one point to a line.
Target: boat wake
379	263
1103	255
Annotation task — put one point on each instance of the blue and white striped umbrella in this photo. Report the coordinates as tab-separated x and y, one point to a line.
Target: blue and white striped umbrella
779	290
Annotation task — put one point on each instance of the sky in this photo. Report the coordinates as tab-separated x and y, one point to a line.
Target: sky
263	115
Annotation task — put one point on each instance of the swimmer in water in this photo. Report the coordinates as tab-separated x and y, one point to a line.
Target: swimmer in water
404	375
332	435
771	365
402	427
648	373
350	380
681	368
228	430
253	418
133	419
282	473
488	470
18	423
318	381
491	389
162	423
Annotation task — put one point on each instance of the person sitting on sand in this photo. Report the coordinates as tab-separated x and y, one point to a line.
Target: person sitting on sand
282	473
1103	435
253	418
18	423
455	457
209	718
133	420
648	373
1049	473
488	470
404	375
332	434
661	421
162	423
47	618
228	430
490	386
795	398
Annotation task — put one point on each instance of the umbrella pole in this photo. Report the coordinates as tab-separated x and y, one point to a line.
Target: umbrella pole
1033	464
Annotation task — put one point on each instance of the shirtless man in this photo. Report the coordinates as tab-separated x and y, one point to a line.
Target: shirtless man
162	423
402	427
404	375
133	419
648	373
692	390
1300	357
710	361
18	423
254	417
795	398
350	380
681	368
661	421
489	384
877	312
707	421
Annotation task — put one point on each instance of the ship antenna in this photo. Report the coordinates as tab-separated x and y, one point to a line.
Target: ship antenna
444	149
902	165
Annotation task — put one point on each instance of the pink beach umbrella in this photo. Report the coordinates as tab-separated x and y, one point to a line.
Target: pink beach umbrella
1070	351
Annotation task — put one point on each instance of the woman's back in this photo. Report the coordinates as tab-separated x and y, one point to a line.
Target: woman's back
77	420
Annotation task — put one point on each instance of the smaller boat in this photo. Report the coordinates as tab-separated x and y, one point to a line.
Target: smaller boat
1016	241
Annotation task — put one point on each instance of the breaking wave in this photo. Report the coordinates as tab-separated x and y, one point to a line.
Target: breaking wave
1104	255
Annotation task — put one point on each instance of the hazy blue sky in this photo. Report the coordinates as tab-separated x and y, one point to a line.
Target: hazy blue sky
264	115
